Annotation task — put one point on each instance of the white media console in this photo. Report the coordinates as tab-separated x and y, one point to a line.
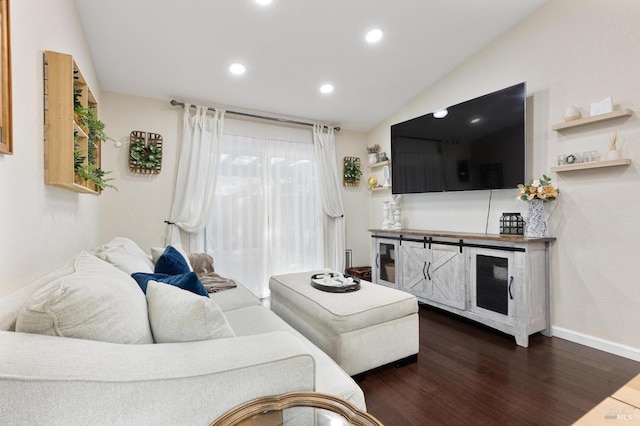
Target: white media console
498	280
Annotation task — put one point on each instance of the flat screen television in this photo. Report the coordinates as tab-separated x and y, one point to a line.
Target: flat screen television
478	144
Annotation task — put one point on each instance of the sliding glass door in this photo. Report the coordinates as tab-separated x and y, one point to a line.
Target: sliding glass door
267	216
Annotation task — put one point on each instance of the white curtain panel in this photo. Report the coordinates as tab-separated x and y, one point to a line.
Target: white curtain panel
267	216
196	179
331	196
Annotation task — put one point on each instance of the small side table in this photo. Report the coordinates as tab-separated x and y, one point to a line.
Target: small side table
279	409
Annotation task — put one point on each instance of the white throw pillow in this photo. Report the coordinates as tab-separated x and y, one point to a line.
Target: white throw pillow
156	252
125	255
96	302
176	315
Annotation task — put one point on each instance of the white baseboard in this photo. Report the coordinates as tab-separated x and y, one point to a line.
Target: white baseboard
597	343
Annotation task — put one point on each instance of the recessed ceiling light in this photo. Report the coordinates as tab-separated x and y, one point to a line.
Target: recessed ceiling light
326	88
237	69
374	35
441	113
263	2
475	120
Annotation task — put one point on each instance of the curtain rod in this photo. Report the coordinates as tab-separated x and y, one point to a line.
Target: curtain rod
262	117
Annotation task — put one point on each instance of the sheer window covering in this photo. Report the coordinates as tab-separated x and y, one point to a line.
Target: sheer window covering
196	178
267	215
331	195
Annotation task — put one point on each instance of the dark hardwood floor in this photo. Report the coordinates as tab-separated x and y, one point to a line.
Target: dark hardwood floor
468	374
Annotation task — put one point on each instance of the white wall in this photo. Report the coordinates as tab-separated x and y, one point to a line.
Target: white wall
142	203
356	199
41	226
569	52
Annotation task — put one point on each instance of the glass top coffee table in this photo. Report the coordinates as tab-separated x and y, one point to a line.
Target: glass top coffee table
296	408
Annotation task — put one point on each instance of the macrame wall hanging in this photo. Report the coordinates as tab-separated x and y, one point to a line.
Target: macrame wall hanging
145	152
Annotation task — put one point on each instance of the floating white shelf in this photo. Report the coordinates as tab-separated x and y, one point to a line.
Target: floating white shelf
379	164
380	188
591	165
625	112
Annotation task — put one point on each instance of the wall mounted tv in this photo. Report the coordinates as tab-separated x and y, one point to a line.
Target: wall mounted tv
478	144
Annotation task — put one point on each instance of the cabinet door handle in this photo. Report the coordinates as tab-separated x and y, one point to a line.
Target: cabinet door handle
377	256
510	283
424	274
428	267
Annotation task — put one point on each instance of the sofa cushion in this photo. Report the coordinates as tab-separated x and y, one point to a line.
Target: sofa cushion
330	378
172	262
125	255
180	316
188	281
96	302
235	298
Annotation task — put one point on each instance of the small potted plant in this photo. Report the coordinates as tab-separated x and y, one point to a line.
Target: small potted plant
613	153
373	153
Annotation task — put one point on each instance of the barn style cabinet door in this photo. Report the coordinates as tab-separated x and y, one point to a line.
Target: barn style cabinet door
435	272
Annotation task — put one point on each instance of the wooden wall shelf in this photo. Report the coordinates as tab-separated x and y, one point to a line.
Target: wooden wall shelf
379	164
61	78
626	112
380	188
591	165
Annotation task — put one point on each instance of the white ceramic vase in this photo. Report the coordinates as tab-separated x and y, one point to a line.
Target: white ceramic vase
613	154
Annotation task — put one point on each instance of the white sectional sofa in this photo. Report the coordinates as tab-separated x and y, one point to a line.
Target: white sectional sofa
54	380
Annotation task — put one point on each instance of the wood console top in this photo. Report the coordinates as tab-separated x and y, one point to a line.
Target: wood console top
461	235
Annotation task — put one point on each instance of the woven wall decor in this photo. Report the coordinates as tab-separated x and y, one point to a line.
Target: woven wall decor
145	152
351	171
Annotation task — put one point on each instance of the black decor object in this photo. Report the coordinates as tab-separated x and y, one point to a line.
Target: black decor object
511	224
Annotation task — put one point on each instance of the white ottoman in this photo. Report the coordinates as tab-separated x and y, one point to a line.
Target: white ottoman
360	330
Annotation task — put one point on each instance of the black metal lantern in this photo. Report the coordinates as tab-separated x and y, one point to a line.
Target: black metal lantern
511	224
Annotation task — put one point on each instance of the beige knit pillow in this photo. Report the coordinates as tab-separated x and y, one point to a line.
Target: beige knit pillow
96	302
125	255
177	315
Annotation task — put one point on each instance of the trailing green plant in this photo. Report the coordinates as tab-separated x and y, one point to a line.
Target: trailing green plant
351	170
78	158
94	174
88	117
77	93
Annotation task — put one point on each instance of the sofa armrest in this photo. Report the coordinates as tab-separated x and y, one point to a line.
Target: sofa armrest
55	380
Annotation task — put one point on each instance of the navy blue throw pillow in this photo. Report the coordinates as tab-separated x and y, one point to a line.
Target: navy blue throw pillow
188	281
171	262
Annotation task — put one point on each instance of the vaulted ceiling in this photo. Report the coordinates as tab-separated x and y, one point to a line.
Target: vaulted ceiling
169	49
